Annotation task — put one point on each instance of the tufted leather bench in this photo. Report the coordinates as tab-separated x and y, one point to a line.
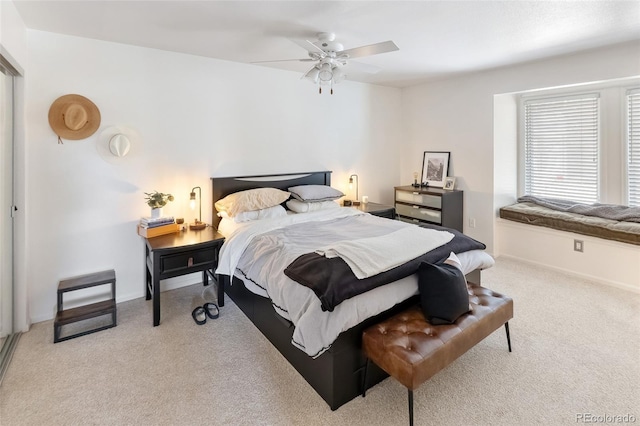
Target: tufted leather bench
411	350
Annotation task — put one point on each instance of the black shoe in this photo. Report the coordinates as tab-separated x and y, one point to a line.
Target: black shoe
199	316
211	309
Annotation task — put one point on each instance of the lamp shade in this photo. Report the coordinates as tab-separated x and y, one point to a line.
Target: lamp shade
312	75
325	73
338	75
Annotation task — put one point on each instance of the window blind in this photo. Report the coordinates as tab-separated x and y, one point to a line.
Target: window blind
561	138
633	144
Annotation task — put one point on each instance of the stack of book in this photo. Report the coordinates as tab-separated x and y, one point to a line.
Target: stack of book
153	226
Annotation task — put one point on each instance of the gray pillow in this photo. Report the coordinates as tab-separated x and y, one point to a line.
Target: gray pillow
313	193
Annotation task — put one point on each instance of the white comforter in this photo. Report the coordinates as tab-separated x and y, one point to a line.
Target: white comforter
261	267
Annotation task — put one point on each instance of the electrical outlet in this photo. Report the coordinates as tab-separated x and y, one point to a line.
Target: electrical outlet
472	222
578	245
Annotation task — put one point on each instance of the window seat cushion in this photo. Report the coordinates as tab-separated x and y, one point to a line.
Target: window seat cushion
534	214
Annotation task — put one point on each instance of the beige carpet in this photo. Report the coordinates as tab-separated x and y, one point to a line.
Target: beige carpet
576	351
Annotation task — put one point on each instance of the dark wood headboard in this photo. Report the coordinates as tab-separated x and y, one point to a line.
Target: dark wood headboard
223	186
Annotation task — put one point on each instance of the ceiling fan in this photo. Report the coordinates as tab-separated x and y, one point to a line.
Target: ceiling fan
330	58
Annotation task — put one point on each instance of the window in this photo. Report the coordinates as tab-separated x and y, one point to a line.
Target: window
561	143
633	147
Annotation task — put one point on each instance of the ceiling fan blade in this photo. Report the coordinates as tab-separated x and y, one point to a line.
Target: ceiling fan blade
371	49
283	60
360	67
308	46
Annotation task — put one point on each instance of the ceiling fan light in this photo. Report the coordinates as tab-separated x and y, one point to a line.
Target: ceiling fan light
325	74
338	75
312	75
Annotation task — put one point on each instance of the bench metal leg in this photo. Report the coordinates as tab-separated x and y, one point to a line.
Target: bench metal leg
506	327
364	379
410	407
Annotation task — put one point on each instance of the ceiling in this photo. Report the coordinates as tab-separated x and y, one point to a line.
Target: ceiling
436	38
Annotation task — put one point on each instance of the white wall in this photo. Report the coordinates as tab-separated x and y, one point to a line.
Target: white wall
604	261
457	115
13	34
197	118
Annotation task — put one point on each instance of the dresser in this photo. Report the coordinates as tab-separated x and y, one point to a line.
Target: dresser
429	205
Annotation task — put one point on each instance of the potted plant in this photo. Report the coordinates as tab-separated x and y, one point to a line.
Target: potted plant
157	200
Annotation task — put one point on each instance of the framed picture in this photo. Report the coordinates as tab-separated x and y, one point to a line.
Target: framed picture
435	166
449	182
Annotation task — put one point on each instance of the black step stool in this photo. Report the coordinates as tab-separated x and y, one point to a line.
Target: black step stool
68	316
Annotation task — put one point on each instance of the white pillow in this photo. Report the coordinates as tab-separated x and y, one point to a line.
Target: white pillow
250	200
302	207
227	226
311	193
454	261
270	212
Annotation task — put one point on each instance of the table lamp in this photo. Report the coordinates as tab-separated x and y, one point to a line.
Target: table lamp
356	202
197	223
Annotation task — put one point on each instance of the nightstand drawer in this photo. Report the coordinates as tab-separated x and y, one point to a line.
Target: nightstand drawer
188	259
417	198
418	212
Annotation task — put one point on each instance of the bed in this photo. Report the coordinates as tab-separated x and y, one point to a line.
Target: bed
335	371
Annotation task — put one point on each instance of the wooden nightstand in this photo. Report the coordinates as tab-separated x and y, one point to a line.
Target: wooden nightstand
181	253
376	209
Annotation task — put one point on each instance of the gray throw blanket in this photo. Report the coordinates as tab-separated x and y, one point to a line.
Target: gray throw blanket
333	281
605	211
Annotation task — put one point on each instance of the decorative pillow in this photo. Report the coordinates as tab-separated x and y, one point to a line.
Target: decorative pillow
313	193
302	207
443	291
252	199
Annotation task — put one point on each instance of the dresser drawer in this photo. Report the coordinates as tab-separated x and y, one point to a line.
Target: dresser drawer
190	259
433	201
420	213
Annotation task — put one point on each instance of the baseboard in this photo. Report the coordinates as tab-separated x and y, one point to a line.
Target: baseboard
165	285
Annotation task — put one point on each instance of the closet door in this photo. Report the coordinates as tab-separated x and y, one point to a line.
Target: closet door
6	204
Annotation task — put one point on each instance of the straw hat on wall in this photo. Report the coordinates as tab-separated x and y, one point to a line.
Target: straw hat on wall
74	117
